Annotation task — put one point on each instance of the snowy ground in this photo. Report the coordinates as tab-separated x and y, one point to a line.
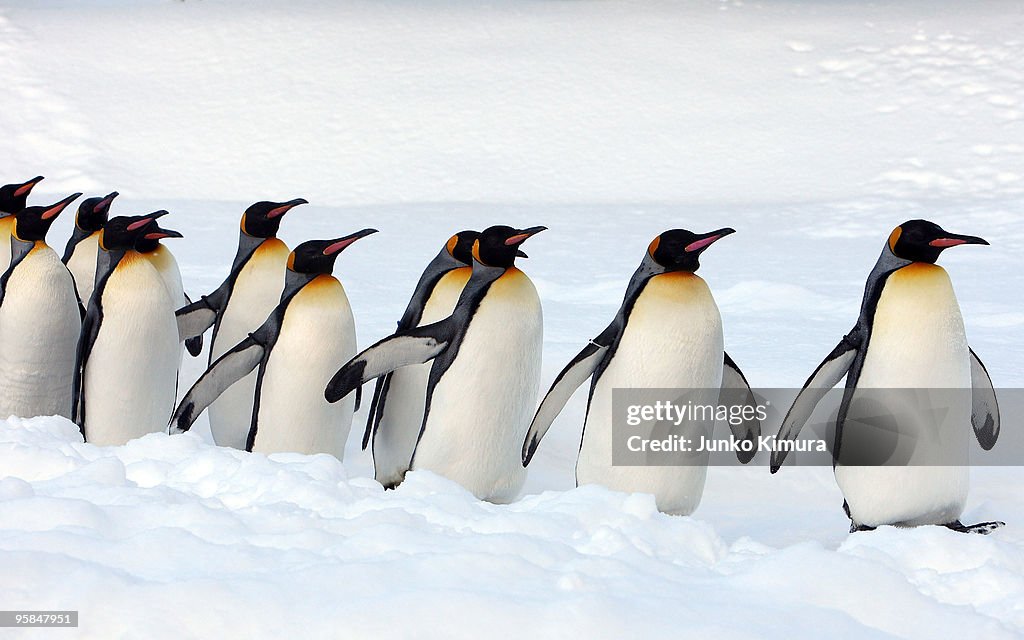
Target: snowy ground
811	128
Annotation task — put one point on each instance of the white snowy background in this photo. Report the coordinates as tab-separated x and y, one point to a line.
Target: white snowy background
812	128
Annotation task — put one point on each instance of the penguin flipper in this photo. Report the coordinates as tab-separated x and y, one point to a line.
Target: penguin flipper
195	343
373	417
194	319
736	392
90	331
566	382
405	348
828	374
224	372
984	407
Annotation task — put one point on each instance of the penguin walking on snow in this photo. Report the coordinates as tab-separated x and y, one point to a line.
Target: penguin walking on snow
909	336
484	373
239	306
13	198
396	413
294	353
83	247
127	367
39	321
667	334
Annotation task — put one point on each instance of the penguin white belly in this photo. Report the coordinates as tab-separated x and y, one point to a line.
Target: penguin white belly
163	261
673	340
6	228
131	374
256	293
317	337
39	327
82	265
402	417
917	342
482	406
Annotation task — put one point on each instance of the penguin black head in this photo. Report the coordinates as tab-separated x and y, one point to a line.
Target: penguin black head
32	223
923	241
93	212
318	256
124	232
499	246
679	249
460	246
263	219
14	197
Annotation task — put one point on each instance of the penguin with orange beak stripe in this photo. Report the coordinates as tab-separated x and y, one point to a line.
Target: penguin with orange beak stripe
294	352
667	334
126	373
484	375
83	246
909	336
39	321
396	413
13	198
239	306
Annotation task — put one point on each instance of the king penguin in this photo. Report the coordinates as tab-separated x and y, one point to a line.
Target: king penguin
238	306
127	367
667	334
396	413
484	374
295	351
82	249
13	198
909	336
39	321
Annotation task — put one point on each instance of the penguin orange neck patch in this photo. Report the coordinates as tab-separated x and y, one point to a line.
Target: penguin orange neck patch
654	245
894	237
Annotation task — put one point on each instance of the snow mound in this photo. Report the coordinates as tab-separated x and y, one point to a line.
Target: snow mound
178	537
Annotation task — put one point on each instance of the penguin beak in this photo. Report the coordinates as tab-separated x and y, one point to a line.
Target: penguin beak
522	236
955	239
708	239
160	234
138	224
104	204
27	187
285	207
54	210
338	245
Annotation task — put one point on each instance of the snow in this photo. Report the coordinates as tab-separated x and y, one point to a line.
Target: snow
171	535
811	128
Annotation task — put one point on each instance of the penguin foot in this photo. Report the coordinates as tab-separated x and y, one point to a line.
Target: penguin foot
854	527
982	528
